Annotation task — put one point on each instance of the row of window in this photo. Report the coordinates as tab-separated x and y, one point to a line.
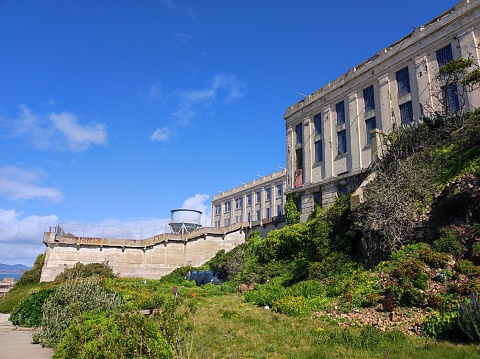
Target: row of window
450	95
239	200
257	217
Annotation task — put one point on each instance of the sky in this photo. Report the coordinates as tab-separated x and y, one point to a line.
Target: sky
113	113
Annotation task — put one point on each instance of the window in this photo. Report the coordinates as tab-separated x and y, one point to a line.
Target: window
217	224
368	98
258	215
343	190
340	110
238	219
318	151
342	142
217	209
268	194
258	197
317	123
298	133
226	222
444	55
406	113
317	198
227	207
370	124
267	212
403	82
239	203
450	96
279	210
279	190
249	217
249	199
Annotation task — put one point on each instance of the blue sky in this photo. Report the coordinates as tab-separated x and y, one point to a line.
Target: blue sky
116	112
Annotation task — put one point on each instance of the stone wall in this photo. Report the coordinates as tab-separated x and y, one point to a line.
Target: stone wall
151	258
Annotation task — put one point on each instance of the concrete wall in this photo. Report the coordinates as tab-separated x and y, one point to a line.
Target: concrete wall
151	258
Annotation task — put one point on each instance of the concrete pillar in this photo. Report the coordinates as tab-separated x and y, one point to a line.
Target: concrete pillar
352	122
384	115
290	158
423	75
307	150
469	49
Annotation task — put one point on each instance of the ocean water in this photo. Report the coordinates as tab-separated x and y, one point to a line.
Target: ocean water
15	276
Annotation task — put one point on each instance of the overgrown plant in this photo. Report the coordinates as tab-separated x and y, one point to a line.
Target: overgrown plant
291	212
469	318
71	299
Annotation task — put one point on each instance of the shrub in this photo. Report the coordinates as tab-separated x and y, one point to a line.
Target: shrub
434	301
292	306
71	299
434	259
476	249
441	325
469	318
467	267
87	270
472	285
448	243
120	335
267	294
28	313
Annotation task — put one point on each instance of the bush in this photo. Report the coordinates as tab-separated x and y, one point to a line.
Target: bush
472	285
467	267
71	299
441	326
448	243
28	313
267	294
434	259
291	305
87	270
120	335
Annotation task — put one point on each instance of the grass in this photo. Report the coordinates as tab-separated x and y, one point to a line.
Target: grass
228	327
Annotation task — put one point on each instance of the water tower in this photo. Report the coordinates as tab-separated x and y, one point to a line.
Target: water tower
185	220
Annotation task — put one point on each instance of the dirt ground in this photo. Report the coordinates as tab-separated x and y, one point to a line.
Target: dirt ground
16	342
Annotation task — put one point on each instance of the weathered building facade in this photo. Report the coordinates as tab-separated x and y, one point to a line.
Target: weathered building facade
331	133
259	203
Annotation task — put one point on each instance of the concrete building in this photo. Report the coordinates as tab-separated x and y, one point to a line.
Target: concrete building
330	133
256	204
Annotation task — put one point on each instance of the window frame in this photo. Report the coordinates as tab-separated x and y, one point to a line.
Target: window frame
341	105
369	98
403	81
369	136
345	147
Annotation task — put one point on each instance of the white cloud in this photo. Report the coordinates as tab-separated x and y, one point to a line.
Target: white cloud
22	237
224	87
61	131
197	202
161	134
78	137
20	184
